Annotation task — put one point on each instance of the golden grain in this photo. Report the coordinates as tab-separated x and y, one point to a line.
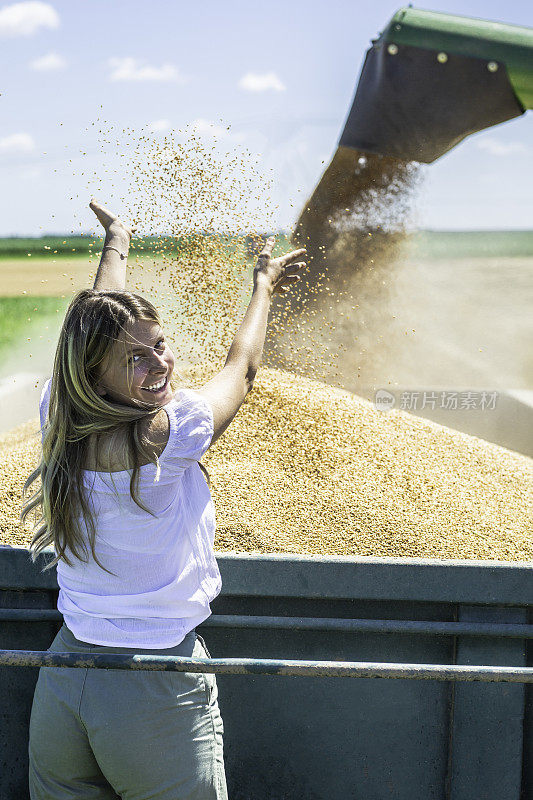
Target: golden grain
307	468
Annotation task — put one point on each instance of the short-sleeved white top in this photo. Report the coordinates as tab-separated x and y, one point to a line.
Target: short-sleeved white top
165	567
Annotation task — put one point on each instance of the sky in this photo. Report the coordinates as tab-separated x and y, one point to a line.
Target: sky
281	76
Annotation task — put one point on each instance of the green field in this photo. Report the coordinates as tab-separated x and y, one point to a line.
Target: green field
435	245
17	313
84	246
441	274
426	244
47	246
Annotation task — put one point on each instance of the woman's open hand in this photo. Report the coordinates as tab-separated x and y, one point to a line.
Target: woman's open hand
114	227
280	272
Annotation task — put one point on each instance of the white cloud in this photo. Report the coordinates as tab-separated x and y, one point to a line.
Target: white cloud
130	69
24	19
496	148
48	63
252	82
17	143
159	125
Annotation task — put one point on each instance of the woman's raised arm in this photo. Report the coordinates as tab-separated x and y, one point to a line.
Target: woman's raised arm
111	273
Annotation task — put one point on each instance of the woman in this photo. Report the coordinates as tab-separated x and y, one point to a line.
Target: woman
131	521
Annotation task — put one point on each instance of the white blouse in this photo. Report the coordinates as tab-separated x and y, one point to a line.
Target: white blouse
165	569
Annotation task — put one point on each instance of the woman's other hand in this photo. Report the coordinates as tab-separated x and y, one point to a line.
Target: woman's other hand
278	273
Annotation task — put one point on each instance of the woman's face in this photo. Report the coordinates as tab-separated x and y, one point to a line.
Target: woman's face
138	367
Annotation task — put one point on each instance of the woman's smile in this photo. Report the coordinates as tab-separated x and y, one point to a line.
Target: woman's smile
140	367
155	388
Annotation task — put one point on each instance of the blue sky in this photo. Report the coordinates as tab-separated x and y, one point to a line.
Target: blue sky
281	75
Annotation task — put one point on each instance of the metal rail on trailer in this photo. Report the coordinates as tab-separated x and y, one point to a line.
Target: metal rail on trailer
263	666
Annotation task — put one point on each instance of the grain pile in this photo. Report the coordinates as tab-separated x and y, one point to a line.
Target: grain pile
306	468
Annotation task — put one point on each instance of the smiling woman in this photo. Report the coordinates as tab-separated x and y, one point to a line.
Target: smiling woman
143	368
121	477
101	410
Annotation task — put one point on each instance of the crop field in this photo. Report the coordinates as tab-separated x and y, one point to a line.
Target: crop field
16	313
40	275
437	245
468	292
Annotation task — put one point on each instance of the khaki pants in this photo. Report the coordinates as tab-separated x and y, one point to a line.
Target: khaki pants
98	734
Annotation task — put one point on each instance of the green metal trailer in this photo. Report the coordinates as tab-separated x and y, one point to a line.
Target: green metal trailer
338	677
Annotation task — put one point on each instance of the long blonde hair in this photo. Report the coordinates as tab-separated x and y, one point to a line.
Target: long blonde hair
93	322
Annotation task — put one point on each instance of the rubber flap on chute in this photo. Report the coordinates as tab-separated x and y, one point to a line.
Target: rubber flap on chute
410	106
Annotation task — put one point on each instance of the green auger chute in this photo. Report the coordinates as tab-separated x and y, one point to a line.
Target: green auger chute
431	79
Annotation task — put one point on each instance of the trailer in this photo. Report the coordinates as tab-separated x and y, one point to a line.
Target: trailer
338	677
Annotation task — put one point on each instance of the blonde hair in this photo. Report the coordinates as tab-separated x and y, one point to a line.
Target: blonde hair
93	322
